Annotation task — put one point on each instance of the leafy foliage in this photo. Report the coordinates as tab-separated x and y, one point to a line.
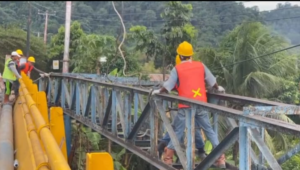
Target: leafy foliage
258	76
56	51
177	28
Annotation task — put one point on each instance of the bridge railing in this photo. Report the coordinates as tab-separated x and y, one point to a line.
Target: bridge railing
123	114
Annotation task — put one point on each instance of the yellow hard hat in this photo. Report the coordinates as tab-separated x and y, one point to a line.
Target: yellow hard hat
177	60
185	49
20	52
31	59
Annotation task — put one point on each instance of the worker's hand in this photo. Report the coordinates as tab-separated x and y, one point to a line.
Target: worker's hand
155	92
44	75
221	89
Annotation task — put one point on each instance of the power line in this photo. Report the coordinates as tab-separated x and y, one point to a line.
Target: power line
265	55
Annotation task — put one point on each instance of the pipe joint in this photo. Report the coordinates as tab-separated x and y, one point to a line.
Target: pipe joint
41	127
41	165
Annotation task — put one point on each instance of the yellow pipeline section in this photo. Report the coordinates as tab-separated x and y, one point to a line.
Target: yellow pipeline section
37	148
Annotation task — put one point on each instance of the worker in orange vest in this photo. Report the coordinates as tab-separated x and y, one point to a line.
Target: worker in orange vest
191	78
198	138
28	66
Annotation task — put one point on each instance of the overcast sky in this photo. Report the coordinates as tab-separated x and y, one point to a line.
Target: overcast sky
267	5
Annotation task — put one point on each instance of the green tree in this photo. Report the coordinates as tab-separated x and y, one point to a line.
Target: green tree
248	74
177	28
91	47
56	49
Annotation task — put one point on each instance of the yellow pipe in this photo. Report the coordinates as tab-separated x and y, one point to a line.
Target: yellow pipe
55	156
22	142
35	142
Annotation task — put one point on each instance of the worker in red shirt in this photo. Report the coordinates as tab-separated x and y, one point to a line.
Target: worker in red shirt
190	78
28	66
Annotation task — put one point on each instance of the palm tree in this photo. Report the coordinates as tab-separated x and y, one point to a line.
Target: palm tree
245	73
257	76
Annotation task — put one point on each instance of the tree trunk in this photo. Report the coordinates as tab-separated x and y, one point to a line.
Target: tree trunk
98	68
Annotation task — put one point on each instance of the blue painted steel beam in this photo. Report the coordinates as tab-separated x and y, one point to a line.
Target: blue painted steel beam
289	154
87	106
93	104
127	114
139	123
153	135
245	100
68	132
73	95
136	107
77	97
63	94
41	83
58	91
190	127
229	140
244	145
114	112
272	110
264	149
107	111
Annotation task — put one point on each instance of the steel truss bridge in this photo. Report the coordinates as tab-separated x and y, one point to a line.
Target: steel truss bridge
127	116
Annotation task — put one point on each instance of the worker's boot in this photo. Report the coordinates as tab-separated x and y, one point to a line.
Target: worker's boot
220	163
161	147
201	153
168	156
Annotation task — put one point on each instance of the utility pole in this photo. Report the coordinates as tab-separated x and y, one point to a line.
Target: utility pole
67	37
46	23
28	31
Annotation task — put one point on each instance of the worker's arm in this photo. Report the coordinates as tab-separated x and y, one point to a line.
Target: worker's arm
210	79
22	66
168	85
12	67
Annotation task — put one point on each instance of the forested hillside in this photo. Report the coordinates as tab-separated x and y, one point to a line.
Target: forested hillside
213	20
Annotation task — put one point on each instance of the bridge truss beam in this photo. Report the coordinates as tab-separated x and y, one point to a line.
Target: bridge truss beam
107	107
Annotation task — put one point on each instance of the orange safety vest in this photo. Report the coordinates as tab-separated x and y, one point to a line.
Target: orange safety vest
28	67
191	78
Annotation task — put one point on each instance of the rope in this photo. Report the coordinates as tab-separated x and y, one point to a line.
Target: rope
42	74
123	39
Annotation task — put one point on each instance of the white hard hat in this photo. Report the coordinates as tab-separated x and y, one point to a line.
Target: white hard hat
15	54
